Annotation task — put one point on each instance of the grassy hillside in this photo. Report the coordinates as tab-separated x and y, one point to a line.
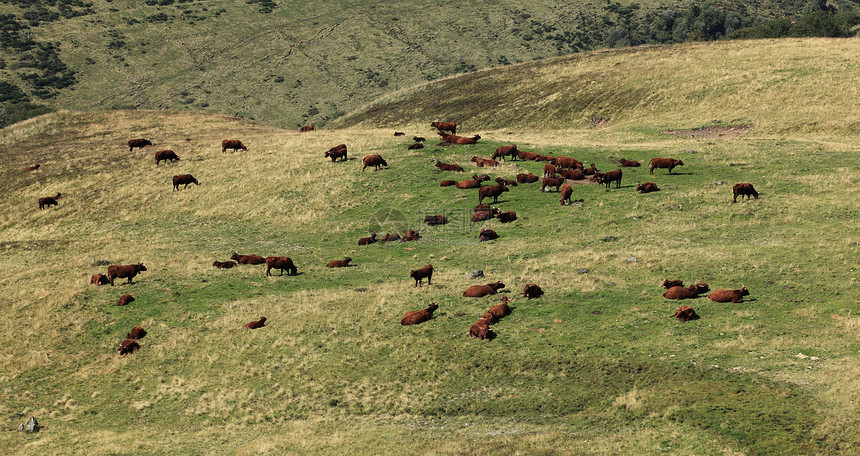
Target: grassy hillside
596	366
294	63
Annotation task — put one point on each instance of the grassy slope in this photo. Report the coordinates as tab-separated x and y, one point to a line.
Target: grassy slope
226	57
593	367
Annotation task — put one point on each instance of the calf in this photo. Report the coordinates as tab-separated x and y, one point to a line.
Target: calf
647	187
416	146
532	291
448	167
421	273
368	240
165	155
523	155
99	279
723	295
234	144
247	259
483	215
124	271
487	235
124	300
548	170
399	133
255	324
445	126
281	263
139	143
447	183
128	346
339	263
631	163
338	151
503	151
136	333
566	192
691	292
744	189
390	237
685	313
608	178
32	168
376	161
491	191
664	163
224	264
479	291
526	178
672	283
551	182
506	182
183	179
482	162
568	163
49	201
411	235
507	217
307	128
481	330
419	316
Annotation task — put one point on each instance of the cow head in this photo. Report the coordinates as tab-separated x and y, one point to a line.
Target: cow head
140	267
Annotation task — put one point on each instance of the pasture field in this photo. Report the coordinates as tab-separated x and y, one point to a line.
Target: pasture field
596	366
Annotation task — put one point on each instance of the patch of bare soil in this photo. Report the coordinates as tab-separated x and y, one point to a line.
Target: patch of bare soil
712	132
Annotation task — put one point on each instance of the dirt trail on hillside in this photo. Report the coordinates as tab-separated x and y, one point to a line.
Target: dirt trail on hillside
712	132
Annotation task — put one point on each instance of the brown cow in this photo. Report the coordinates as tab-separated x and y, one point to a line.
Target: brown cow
506	182
590	171
527	178
523	155
723	295
503	151
306	129
418	139
482	215
487	235
481	330
376	161
475	182
165	155
566	192
390	237
546	158
416	146
247	259
491	191
255	324
609	177
124	271
99	279
461	140
691	292
647	187
685	313
481	162
183	179
420	273
368	240
479	291
124	300
234	144
419	316
136	333
498	311
551	182
448	167
49	201
744	189
139	143
568	163
411	235
32	168
399	133
338	151
445	126
548	170
435	220
572	174
664	163
224	264
128	346
447	183
281	263
672	283
339	263
532	291
507	217
625	163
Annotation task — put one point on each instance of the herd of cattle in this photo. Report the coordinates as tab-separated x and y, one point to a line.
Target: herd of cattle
557	171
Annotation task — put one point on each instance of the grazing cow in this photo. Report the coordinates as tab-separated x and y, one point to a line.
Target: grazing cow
399	133
672	283
527	178
247	259
165	155
664	163
568	163
124	300
306	129
224	264
548	170
609	177
445	126
447	167
572	174
487	235
498	311
461	140
281	263
506	182
744	189
507	217
411	235
631	163
416	146
481	330
532	291
390	237
49	201
338	151
139	143
136	333
418	139
183	179
685	313
419	316
503	151
566	192
691	292
421	273
475	182
447	183
339	263
99	279
647	187
551	182
482	215
590	171
479	291
116	271
523	155
724	295
128	346
435	220
481	162
255	324
234	144
491	191
32	168
376	161
368	240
